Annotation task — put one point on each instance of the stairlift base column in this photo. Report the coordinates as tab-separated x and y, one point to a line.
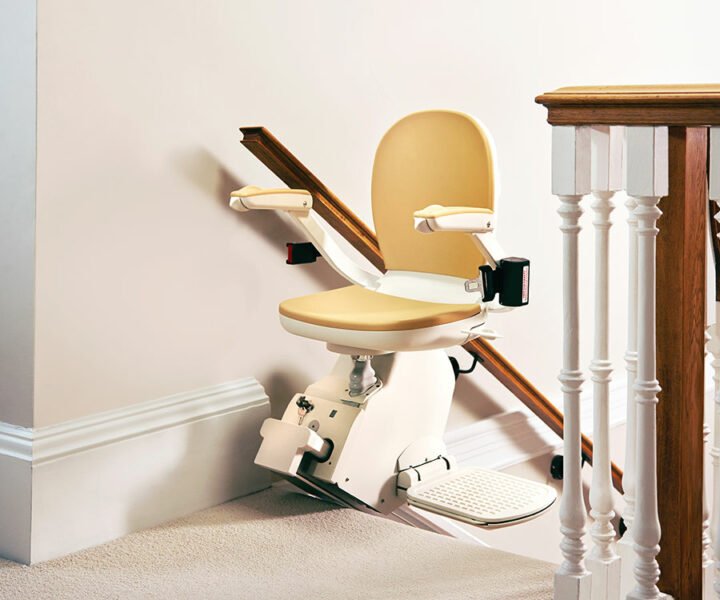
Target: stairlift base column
370	431
383	447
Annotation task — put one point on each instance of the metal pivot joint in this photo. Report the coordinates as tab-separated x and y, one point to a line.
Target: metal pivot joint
362	377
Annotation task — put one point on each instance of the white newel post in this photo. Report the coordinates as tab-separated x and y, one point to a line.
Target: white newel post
606	179
714	348
625	547
647	182
570	182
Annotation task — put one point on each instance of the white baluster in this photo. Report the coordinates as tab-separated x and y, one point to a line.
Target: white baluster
714	348
647	157
570	182
602	562
625	546
707	555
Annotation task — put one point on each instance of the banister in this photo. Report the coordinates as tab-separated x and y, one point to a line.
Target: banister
274	155
687	110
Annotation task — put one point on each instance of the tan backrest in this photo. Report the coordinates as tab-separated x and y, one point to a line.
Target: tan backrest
432	157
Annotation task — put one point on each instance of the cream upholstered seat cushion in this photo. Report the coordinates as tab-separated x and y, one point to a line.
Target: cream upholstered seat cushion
360	309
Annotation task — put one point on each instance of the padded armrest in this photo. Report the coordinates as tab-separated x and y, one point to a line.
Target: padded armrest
252	197
298	206
479	222
465	219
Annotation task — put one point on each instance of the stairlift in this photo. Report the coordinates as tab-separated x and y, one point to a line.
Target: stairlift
370	433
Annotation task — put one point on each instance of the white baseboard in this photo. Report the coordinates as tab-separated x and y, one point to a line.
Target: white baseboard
100	477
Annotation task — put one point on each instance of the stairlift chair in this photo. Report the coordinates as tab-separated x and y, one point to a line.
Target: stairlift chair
370	433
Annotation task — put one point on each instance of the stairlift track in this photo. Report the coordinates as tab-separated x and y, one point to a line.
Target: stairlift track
369	434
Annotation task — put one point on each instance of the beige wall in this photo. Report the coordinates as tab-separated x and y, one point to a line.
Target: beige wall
148	285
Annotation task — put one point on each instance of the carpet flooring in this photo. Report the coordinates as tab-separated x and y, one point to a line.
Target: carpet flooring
278	544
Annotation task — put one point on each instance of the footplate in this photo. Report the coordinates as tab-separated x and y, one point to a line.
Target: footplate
481	497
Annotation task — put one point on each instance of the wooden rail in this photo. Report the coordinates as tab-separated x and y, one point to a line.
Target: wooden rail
294	174
680	104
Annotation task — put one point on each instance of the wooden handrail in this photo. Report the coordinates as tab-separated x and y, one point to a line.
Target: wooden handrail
294	174
682	104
